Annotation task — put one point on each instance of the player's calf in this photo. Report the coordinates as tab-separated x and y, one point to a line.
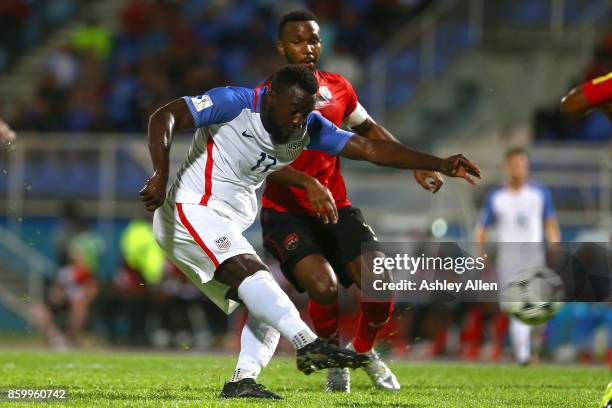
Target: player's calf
267	302
316	276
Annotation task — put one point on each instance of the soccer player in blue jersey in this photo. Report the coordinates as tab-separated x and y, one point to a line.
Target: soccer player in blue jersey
241	136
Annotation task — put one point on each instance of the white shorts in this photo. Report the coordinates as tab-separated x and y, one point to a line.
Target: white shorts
198	239
513	258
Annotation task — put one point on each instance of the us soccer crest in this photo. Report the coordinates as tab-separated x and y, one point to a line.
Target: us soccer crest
223	243
294	149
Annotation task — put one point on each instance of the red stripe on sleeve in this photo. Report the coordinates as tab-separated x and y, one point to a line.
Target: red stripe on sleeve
208	172
255	98
194	234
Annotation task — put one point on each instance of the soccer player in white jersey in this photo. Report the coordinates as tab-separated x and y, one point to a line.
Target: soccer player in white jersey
242	135
521	211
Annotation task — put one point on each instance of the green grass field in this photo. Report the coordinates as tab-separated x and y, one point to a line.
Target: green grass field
184	380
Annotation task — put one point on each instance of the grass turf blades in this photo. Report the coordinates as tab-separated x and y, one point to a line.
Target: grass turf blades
132	379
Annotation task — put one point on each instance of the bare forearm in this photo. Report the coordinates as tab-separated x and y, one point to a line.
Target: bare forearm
575	103
288	176
400	156
321	200
393	154
480	235
552	230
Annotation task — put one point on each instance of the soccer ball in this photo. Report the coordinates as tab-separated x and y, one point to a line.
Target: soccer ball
533	296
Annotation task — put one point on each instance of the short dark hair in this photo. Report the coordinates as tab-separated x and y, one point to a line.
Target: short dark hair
514	151
293	16
294	75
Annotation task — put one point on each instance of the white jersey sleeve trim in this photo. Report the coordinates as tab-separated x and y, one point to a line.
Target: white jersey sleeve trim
359	115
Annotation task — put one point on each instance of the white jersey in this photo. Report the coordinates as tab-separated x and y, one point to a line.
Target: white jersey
518	217
232	153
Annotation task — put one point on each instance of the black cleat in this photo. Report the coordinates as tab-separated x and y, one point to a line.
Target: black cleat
320	354
247	388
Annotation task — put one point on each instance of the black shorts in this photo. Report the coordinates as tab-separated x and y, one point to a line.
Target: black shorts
290	238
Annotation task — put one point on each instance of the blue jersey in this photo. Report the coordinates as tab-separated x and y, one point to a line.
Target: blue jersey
232	153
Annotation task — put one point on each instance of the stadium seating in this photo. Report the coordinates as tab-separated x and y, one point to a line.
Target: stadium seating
26	23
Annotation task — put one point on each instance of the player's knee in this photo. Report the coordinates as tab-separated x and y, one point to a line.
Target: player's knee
235	270
361	270
323	291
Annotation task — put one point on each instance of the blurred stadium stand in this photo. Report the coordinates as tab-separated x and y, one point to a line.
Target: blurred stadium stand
26	23
440	74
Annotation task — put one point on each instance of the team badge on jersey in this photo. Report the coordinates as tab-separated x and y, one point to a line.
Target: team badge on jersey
522	220
223	243
201	102
291	241
294	149
323	97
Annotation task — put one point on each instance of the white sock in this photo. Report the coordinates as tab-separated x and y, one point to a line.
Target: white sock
257	345
520	335
267	302
241	374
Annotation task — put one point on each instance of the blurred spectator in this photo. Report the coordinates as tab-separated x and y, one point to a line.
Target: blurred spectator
134	17
13	18
64	65
184	47
129	296
71	224
26	22
73	289
93	39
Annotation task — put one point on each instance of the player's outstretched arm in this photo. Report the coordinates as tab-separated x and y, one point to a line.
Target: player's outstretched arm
321	200
596	93
162	124
393	154
7	135
575	102
429	180
552	230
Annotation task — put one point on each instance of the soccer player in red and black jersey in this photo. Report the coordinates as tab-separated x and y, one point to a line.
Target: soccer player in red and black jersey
594	94
317	248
